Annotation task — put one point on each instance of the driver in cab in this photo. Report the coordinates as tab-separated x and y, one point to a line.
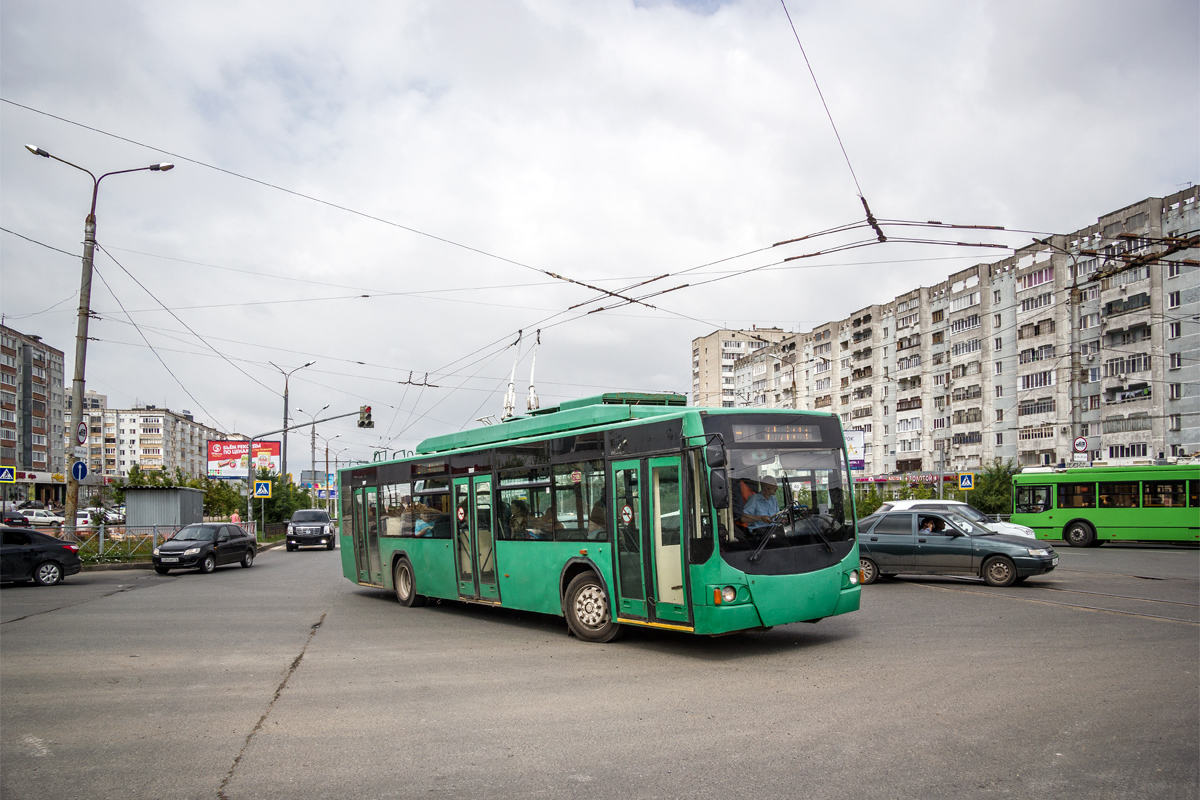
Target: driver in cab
762	505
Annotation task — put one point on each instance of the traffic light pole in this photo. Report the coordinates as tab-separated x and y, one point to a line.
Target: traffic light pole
250	461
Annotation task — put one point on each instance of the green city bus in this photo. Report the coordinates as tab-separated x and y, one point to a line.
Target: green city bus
1088	506
622	509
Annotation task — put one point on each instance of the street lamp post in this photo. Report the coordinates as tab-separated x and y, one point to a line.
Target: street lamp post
312	453
78	426
283	450
327	487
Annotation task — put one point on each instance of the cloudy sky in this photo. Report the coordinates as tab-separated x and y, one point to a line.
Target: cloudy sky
388	188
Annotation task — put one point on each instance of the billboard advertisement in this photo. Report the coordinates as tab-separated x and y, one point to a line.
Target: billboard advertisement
856	443
230	460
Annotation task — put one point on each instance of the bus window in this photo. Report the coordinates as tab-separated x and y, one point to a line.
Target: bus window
1119	495
394	500
700	545
430	513
1032	499
1163	494
1194	494
1077	495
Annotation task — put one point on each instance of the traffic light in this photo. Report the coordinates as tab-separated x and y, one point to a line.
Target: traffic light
364	417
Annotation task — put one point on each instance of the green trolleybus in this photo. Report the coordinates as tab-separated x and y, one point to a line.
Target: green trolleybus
622	509
1088	506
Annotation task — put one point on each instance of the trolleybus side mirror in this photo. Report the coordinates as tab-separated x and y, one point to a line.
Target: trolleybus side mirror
719	488
714	454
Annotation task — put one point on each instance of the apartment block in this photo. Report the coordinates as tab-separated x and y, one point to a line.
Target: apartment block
1093	334
713	357
31	413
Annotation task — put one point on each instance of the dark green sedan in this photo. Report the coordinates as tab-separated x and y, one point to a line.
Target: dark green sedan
944	543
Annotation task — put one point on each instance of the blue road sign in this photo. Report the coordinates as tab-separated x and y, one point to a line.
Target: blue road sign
262	489
8	475
966	481
79	470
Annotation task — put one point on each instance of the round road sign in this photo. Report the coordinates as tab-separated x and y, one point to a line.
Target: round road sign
81	433
1080	444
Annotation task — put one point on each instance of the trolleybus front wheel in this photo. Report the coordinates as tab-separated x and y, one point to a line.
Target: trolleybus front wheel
1079	534
589	614
406	585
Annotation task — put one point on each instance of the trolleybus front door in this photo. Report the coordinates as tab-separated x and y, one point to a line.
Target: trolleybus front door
474	541
649	550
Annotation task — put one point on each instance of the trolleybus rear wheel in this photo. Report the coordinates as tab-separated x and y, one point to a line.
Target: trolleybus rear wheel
1079	534
406	585
589	614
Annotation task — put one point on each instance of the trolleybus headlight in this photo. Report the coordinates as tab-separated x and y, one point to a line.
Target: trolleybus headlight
729	594
1039	551
854	578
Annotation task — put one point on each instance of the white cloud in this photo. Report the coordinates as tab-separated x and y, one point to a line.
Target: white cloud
605	141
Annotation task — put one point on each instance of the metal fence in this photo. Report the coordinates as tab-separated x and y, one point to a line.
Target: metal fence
121	543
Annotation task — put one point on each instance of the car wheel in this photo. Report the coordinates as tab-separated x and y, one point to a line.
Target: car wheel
405	582
248	559
208	564
1079	534
290	547
329	545
162	570
589	614
870	572
999	571
47	573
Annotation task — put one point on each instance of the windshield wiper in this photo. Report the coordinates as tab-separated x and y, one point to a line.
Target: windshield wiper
768	534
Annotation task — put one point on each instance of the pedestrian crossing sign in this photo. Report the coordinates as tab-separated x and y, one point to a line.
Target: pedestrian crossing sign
8	475
966	481
262	489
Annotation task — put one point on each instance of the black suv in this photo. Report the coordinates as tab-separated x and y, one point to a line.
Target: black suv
310	526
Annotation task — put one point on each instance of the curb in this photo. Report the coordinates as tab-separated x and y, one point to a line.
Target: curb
149	565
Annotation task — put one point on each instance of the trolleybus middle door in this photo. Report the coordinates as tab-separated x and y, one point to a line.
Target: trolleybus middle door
666	539
627	521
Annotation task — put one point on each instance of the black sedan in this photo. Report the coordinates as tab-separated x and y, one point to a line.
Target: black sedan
15	519
32	555
205	546
944	543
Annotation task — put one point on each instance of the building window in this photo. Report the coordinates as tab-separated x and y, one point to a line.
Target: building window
1094	402
999	438
999	366
999	389
1176	360
996	296
1176	391
999	415
1174	330
1176	422
1173	300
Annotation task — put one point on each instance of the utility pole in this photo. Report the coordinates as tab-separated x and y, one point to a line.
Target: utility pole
79	427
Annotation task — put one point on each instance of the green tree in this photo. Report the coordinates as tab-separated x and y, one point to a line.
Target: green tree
993	487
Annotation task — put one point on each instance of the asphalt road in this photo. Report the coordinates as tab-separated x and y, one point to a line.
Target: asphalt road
287	681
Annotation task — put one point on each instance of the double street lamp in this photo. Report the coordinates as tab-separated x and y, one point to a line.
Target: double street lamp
312	453
78	426
286	374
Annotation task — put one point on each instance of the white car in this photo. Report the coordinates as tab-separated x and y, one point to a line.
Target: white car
41	518
962	509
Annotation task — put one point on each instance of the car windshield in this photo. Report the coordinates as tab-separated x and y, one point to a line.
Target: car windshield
311	515
971	513
968	526
196	533
782	499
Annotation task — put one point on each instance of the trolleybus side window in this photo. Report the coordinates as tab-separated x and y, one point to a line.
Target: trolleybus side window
348	518
1077	495
395	499
1194	494
1119	494
430	510
1032	499
577	489
1163	494
700	548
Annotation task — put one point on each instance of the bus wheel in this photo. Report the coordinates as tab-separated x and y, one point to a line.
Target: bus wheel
406	585
1079	534
589	615
999	571
870	572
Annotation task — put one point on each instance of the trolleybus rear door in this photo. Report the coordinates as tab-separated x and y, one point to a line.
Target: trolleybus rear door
366	537
474	547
